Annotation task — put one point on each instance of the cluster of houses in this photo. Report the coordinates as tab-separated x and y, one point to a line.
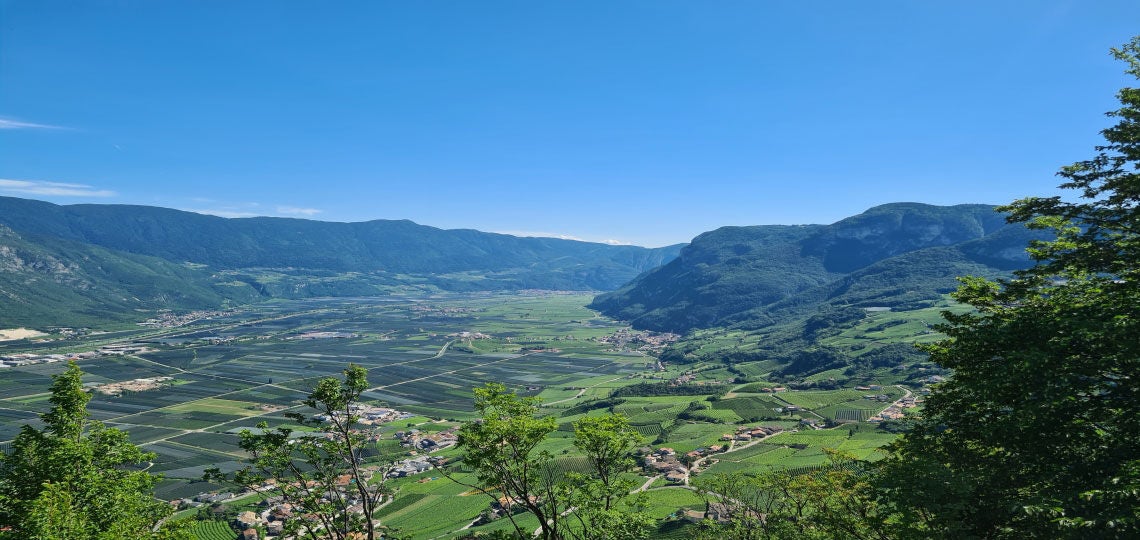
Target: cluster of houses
428	441
773	389
718	512
896	411
205	498
272	518
626	340
690	377
664	461
414	466
170	320
676	468
273	513
368	415
673	466
27	359
746	434
325	335
441	310
501	507
468	336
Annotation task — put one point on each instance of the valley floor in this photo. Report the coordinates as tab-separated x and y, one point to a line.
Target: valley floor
185	392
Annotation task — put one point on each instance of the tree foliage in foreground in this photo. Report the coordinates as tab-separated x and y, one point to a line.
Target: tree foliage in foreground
502	447
1037	435
77	479
321	474
835	502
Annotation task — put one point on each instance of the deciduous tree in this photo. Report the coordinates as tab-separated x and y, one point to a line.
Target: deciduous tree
78	479
1037	434
835	502
503	449
309	470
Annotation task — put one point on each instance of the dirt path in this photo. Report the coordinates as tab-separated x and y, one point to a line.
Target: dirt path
449	372
647	483
581	392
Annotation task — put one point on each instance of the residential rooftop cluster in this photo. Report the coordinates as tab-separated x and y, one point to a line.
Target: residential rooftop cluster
170	320
273	513
645	341
325	335
27	359
896	410
469	335
428	441
371	415
746	433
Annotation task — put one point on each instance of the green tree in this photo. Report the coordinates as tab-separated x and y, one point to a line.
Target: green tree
78	479
1037	434
502	448
308	470
608	442
601	502
833	503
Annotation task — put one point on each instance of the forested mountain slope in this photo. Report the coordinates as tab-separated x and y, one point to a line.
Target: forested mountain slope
78	264
900	255
381	245
59	282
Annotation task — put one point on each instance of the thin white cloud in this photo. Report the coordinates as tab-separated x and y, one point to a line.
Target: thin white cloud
539	234
563	236
9	123
294	211
221	212
58	189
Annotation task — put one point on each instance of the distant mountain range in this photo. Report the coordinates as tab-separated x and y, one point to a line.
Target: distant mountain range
69	264
902	256
82	264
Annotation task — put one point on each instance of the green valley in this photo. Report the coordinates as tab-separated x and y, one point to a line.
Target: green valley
227	372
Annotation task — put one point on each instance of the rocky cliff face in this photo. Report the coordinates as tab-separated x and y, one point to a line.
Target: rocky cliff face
29	264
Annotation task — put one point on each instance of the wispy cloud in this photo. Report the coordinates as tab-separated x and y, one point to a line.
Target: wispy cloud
294	211
226	209
563	236
38	187
540	234
12	123
221	212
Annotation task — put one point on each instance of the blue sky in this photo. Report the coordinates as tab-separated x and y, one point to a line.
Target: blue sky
635	122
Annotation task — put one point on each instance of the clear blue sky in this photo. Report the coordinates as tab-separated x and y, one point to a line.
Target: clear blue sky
642	122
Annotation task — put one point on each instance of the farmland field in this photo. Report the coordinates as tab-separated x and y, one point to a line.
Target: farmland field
232	372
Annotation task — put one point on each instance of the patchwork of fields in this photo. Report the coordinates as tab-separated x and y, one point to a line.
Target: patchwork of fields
424	355
231	374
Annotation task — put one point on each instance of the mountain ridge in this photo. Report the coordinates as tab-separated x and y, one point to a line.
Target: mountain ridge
389	245
219	261
895	255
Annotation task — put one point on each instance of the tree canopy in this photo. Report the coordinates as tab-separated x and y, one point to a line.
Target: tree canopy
307	470
78	479
502	447
1037	432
